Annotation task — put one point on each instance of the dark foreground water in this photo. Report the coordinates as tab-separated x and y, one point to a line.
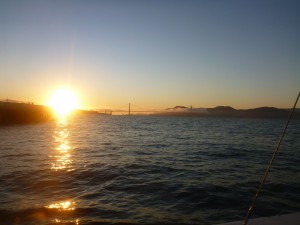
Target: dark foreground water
146	170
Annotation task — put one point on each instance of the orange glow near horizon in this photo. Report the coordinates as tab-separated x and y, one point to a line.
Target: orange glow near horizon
63	102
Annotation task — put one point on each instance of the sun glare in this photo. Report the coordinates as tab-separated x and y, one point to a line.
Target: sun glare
63	101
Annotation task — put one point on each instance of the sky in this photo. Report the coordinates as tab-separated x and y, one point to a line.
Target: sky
154	54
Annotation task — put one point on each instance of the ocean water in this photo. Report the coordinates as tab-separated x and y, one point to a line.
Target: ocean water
93	170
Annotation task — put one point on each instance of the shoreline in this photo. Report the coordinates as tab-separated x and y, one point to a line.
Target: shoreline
28	113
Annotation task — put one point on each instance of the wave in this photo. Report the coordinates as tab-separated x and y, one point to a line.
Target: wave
163	171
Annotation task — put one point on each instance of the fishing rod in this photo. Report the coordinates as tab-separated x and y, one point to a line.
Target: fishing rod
251	208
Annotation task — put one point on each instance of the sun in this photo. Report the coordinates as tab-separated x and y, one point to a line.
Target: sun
63	101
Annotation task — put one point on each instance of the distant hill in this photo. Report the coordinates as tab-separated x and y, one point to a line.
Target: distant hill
222	109
228	111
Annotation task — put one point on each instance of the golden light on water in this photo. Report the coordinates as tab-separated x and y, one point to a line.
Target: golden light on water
62	206
63	102
76	222
61	159
61	154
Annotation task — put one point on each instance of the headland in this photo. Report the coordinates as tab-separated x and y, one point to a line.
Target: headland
230	112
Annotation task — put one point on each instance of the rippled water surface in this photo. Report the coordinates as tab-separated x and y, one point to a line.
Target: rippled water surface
146	170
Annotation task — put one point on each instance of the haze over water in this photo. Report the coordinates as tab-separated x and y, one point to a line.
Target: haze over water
145	170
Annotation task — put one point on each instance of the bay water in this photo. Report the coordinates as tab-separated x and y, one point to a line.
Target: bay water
95	169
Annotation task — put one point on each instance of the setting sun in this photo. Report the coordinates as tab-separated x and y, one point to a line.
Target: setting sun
63	101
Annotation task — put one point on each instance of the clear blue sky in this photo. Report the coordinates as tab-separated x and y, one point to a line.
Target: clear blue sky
154	54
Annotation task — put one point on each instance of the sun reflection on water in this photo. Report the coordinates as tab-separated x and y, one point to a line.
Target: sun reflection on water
62	206
76	222
62	151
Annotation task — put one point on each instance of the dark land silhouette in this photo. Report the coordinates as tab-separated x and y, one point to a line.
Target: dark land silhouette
28	113
22	113
228	111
